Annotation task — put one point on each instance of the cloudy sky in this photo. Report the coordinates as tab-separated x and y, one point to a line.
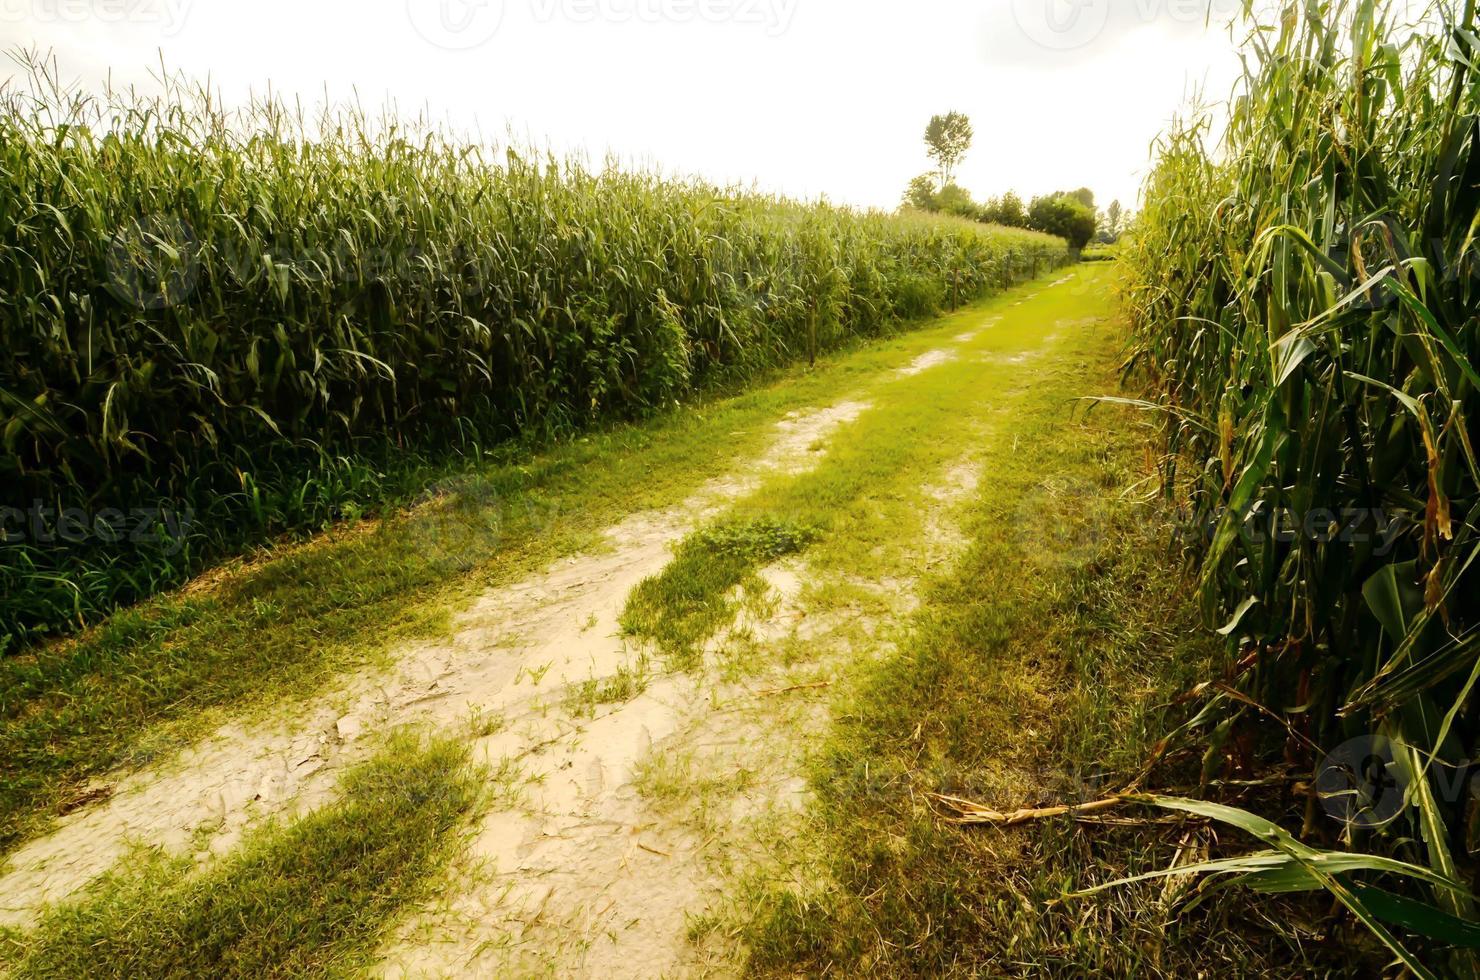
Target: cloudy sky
805	97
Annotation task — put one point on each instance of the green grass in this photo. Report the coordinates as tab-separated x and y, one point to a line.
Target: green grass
162	674
697	790
583	700
1042	668
689	601
311	897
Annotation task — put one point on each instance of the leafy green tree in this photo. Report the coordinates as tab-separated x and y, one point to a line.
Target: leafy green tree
1065	215
1006	210
920	194
947	138
954	199
1012	211
1114	221
950	199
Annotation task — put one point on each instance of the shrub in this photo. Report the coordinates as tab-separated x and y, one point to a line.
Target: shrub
1065	216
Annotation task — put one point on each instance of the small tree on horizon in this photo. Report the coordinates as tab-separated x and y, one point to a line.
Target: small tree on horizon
955	199
1006	210
920	194
1065	215
947	138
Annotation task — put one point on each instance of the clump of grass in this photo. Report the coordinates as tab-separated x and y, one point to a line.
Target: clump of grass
583	699
482	723
691	599
758	539
308	898
698	790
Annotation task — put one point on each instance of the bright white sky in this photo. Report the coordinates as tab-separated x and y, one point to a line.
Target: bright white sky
804	97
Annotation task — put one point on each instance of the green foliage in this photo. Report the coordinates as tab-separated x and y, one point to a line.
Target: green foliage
1084	196
1305	301
1112	223
714	570
947	138
265	638
950	199
920	194
1289	865
1006	210
259	318
953	199
759	539
1064	215
1040	668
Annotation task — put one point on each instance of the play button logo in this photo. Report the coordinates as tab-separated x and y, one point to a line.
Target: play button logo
1061	25
456	25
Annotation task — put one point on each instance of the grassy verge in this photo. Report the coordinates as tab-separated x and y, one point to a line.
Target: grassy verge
307	898
1041	669
158	676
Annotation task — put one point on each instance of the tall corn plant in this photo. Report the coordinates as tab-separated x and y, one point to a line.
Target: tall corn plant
233	311
1304	299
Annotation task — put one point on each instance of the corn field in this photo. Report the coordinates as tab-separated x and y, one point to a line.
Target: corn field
1305	298
231	312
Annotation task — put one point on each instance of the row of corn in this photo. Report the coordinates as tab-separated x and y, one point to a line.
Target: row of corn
1305	295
